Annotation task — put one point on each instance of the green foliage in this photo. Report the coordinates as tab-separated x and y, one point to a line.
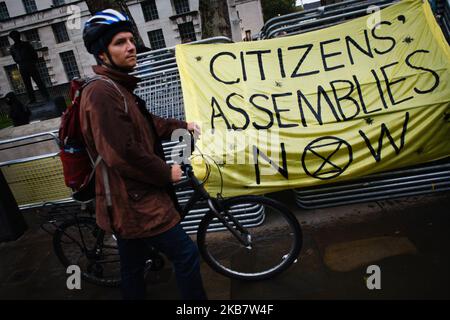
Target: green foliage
5	121
273	8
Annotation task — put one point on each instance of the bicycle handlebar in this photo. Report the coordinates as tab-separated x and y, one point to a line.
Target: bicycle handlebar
187	168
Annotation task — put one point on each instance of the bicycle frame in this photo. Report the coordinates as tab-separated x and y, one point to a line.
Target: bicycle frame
214	204
94	253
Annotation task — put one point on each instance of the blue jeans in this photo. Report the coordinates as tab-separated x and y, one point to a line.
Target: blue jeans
178	248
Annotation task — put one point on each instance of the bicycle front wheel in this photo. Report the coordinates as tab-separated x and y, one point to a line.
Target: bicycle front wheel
81	242
274	234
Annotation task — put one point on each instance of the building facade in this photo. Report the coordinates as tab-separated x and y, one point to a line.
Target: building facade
54	27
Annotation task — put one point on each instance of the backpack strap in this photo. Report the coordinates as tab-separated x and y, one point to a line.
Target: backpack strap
99	158
107	187
94	164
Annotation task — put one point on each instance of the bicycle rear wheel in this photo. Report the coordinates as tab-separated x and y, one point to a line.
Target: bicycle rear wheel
81	242
274	233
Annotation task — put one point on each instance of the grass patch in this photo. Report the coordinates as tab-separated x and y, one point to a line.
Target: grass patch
5	122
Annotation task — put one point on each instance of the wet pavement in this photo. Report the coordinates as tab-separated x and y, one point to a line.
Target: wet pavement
407	238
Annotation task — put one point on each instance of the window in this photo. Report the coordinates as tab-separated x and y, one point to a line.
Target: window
70	64
60	32
187	32
30	6
4	14
43	72
15	80
149	9
4	46
181	6
156	38
33	37
58	3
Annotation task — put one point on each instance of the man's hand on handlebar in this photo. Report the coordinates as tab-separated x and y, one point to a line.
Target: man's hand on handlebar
194	128
176	172
176	169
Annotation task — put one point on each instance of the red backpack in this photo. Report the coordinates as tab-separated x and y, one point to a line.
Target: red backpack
78	166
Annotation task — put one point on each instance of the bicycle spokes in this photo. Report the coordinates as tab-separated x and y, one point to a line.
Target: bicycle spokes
251	239
80	242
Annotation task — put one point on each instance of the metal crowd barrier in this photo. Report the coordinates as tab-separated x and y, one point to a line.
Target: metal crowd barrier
35	179
160	84
443	12
318	18
433	177
38	181
426	178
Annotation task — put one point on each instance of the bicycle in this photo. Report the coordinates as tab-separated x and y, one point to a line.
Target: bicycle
258	251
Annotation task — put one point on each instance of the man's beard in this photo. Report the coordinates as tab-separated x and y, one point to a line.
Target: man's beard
114	66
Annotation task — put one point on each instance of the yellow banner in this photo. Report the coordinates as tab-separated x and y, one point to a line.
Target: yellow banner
365	96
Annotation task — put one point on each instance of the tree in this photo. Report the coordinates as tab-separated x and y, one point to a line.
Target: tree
215	18
95	6
273	8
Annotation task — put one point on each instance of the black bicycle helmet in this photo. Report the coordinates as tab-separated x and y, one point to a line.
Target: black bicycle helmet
100	29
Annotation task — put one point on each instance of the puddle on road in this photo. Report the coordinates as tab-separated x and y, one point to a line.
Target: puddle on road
347	256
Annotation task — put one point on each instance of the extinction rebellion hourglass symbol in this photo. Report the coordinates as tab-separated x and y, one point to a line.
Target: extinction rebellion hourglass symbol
327	157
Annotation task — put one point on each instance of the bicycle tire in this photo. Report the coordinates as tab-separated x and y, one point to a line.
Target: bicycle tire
253	263
68	237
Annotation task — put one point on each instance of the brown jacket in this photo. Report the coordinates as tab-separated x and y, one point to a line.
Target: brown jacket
139	178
